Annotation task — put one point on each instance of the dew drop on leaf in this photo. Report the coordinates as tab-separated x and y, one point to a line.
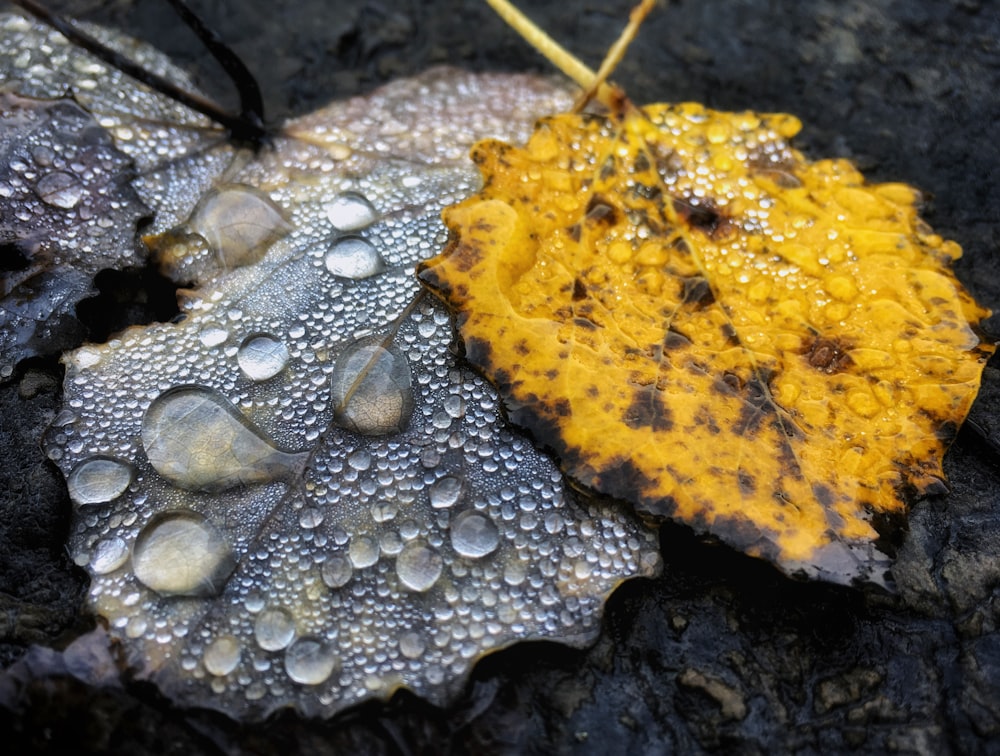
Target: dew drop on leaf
351	211
108	555
412	644
360	460
363	551
97	480
418	566
213	335
353	257
222	655
311	517
310	661
445	492
262	356
474	535
182	554
240	224
274	629
336	571
372	392
196	439
60	189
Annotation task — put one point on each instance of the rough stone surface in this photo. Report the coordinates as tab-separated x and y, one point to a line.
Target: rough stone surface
721	653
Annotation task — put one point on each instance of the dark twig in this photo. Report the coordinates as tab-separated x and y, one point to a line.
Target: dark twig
247	125
251	101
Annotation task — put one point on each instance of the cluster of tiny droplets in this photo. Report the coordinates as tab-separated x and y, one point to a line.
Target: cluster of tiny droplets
279	505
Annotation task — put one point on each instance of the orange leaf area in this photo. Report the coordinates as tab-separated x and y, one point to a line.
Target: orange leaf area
700	322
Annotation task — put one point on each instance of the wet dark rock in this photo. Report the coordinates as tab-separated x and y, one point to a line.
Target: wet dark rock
721	653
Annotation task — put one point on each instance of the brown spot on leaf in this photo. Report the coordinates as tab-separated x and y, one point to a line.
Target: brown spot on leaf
601	212
698	292
648	410
828	355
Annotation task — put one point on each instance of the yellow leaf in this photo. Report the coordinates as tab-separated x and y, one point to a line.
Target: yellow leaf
704	324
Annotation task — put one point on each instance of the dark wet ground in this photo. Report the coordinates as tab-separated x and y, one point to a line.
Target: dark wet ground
720	653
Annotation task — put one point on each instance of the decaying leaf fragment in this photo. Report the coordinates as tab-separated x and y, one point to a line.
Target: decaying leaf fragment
67	211
703	323
277	504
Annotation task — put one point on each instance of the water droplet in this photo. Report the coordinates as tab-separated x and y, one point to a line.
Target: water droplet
515	573
99	479
418	566
445	492
274	629
336	571
582	569
454	405
353	257
60	189
385	510
213	335
412	644
262	356
309	661
360	460
239	223
372	391
196	439
473	534
363	551
222	655
108	555
182	554
310	518
351	211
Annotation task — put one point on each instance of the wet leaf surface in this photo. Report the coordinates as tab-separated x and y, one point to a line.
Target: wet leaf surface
700	322
296	495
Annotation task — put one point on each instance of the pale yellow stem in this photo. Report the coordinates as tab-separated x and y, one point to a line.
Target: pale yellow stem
614	56
556	54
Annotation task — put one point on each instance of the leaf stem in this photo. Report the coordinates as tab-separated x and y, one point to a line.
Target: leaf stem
594	84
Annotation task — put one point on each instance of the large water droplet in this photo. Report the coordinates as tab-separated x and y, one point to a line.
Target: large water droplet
372	391
274	629
239	223
412	644
445	492
353	257
262	356
310	661
108	555
222	655
363	551
212	335
336	571
198	441
360	460
454	405
60	189
98	479
351	211
182	554
473	534
418	566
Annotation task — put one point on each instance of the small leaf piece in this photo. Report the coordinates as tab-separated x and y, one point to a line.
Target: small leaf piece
59	170
702	323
